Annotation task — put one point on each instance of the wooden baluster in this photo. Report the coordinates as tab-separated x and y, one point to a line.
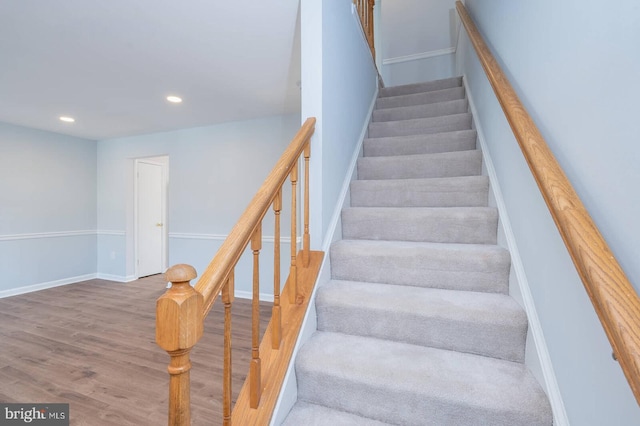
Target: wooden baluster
179	326
306	239
254	371
293	271
372	4
276	321
366	17
227	298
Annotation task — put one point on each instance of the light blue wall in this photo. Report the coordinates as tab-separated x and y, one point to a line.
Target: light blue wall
339	81
349	82
47	207
214	171
415	40
574	65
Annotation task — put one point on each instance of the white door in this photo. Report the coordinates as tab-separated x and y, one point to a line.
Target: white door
150	219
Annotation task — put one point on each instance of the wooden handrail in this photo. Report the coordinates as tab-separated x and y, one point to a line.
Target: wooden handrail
612	295
365	12
181	311
214	277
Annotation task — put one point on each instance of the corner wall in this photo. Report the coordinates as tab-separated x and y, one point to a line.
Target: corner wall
416	40
214	172
339	80
564	75
47	209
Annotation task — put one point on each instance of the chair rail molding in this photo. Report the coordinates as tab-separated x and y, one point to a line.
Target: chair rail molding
53	234
419	56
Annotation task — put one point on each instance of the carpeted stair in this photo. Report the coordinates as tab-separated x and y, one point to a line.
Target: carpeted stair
416	326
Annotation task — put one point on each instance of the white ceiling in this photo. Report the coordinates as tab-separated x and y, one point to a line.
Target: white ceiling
111	63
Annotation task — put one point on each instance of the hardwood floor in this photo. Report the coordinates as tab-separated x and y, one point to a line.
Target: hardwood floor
92	345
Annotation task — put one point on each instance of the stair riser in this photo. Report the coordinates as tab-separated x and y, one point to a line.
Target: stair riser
480	271
448	123
462	140
413	224
422	111
310	414
430	86
421	98
464	163
426	328
412	193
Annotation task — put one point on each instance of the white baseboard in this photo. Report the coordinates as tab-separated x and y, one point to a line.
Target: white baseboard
116	278
553	391
351	172
45	285
264	297
419	56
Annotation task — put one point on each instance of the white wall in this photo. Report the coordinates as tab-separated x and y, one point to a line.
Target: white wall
573	64
417	38
214	171
47	209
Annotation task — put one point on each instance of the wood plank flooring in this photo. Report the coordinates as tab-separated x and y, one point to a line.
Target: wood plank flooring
92	345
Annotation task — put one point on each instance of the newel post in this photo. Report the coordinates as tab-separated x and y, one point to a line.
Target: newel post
179	326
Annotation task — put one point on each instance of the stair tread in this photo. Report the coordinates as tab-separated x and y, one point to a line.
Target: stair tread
487	324
459	140
457	212
457	191
426	86
430	165
481	250
422	157
415	126
305	413
435	109
420	98
424	119
473	267
454	182
433	224
410	384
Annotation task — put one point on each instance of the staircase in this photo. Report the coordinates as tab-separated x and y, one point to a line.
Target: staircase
416	326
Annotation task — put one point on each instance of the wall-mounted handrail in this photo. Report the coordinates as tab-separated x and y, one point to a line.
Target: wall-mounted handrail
182	310
612	295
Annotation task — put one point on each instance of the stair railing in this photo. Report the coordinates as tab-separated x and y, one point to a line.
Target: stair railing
612	295
365	12
182	309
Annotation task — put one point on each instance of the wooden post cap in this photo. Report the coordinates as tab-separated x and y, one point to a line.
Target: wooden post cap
179	311
180	273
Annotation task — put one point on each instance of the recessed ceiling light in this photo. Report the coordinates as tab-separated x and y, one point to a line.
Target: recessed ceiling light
174	99
67	119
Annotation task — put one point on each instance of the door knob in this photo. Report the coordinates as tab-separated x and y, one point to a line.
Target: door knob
159	224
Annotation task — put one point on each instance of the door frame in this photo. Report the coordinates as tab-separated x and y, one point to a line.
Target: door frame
163	162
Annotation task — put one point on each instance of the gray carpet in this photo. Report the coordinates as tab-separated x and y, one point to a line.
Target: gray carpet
416	326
